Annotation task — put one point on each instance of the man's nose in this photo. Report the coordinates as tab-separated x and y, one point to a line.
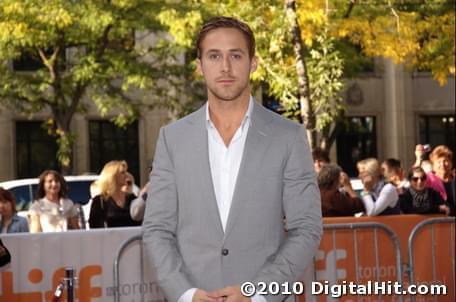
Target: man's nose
226	64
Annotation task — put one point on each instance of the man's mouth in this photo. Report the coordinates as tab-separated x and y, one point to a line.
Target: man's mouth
225	81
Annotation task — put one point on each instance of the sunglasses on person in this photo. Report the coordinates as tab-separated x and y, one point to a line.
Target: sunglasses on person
422	178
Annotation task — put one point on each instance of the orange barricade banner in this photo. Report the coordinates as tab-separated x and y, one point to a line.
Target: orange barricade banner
363	256
38	262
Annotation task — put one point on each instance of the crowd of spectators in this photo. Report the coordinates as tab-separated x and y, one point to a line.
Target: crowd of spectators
53	211
427	188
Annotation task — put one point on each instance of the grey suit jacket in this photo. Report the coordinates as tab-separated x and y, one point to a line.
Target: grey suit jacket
182	231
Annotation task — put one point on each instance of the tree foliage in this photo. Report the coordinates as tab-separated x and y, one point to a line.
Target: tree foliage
420	34
276	53
96	53
92	53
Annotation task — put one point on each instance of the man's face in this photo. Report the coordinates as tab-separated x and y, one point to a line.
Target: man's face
225	64
385	170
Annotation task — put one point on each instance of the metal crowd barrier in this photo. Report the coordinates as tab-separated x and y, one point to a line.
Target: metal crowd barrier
411	242
116	272
331	227
369	225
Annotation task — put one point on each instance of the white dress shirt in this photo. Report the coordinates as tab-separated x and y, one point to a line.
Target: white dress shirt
225	162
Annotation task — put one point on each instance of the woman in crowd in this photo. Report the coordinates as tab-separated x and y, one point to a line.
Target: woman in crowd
129	182
10	222
111	208
52	211
441	178
419	199
333	201
379	198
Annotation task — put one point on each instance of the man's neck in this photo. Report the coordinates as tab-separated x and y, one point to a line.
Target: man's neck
228	114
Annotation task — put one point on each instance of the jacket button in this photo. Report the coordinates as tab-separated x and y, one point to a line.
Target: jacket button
225	252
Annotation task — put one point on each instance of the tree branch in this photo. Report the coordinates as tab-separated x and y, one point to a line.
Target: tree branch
307	112
49	63
393	11
103	42
350	8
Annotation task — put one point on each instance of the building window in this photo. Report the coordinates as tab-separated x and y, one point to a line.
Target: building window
437	130
35	149
356	140
109	142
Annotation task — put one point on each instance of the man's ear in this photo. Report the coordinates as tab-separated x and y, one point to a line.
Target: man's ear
199	68
253	64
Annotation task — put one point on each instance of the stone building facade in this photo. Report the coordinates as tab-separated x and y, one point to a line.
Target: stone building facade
396	108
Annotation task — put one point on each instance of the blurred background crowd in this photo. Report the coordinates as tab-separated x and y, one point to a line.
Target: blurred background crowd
382	188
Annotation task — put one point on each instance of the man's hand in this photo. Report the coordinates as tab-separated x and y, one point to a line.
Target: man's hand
203	296
419	155
229	294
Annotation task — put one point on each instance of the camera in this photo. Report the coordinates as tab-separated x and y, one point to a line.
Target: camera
427	148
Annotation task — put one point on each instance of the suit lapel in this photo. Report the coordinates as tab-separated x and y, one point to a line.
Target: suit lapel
200	162
255	146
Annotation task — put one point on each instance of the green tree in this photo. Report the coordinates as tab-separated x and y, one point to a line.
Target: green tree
300	46
419	34
92	54
284	46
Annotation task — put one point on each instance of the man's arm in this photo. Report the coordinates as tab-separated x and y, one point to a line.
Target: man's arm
159	226
302	206
137	208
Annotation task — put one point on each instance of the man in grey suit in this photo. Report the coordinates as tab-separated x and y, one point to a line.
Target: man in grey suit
224	178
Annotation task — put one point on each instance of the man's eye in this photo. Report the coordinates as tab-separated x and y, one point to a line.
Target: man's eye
236	56
214	56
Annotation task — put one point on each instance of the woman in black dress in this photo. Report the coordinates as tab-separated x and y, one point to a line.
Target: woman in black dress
111	208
